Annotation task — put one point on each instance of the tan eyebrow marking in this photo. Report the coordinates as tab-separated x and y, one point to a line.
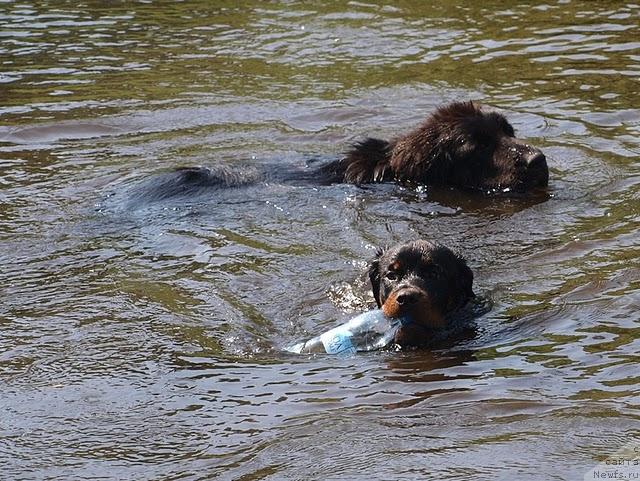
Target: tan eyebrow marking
395	266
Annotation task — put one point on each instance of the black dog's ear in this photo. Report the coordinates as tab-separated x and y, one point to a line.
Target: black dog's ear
374	275
465	280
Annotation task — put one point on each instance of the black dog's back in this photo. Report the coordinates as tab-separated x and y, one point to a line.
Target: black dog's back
190	182
367	162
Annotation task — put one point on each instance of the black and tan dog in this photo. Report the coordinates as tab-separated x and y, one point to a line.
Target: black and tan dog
424	282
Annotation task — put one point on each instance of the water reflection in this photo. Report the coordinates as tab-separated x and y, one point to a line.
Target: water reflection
143	343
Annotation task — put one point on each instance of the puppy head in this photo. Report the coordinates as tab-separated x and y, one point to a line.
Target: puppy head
420	281
464	146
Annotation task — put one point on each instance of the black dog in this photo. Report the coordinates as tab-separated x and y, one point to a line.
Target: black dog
458	145
423	281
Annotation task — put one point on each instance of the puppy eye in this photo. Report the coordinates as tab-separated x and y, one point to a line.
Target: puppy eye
392	276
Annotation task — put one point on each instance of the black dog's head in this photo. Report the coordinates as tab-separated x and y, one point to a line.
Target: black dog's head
423	282
461	145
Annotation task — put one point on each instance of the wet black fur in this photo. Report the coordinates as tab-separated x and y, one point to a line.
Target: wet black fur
458	145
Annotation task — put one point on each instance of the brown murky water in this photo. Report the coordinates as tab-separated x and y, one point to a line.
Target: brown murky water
144	343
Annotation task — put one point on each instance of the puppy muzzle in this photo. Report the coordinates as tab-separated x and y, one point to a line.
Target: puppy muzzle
412	305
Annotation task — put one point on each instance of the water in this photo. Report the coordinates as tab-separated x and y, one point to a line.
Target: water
143	342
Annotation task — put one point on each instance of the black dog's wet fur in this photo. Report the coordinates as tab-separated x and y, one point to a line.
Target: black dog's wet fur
458	145
190	182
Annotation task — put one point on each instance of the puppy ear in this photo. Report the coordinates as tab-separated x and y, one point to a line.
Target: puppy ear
374	275
462	285
464	280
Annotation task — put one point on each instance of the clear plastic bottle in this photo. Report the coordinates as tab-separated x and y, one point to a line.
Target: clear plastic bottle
367	332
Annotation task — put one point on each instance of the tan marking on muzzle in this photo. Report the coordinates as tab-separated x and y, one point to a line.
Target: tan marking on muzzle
421	312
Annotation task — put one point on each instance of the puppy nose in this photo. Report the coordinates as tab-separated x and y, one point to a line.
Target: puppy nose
407	297
535	159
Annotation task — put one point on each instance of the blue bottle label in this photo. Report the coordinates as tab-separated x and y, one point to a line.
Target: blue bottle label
337	342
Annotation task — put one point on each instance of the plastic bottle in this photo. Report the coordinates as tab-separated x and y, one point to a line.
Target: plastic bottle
367	332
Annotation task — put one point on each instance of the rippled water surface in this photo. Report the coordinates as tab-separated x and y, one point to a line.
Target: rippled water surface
144	342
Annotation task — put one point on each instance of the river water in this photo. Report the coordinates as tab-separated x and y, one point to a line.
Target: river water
144	341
